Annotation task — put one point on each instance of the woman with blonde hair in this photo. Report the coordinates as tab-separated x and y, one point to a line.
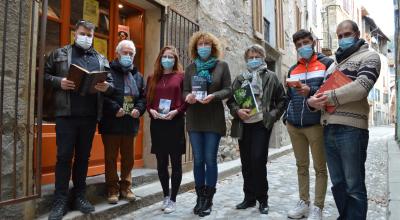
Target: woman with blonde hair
167	107
207	83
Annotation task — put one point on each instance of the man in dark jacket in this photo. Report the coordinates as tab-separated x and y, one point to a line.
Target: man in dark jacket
76	117
304	126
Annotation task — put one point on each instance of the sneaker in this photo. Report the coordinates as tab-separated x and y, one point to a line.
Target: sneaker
165	203
170	208
300	211
83	205
128	195
315	213
113	198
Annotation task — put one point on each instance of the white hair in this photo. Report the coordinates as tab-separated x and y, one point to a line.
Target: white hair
125	43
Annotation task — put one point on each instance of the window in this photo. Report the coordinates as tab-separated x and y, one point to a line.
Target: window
385	98
314	12
266	30
257	19
280	33
270	22
348	6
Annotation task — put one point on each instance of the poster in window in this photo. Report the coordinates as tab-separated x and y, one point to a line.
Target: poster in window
123	32
100	45
91	11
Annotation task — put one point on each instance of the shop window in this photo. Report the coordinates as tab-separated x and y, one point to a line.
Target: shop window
94	11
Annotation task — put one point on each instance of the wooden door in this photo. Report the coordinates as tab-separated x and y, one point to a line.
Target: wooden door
61	19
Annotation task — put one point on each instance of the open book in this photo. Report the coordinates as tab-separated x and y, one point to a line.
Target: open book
336	80
199	87
246	99
294	83
84	80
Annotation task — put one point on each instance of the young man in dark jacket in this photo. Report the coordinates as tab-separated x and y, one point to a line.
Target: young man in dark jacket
304	126
76	117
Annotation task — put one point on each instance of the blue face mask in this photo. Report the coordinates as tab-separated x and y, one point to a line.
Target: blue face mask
125	60
347	42
167	63
305	51
204	52
254	63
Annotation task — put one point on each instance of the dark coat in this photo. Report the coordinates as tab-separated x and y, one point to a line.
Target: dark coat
273	102
57	67
125	125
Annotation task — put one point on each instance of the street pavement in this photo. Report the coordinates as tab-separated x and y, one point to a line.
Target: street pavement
283	189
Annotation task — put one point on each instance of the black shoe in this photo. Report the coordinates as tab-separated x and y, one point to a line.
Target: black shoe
60	208
200	199
246	204
82	204
207	205
264	208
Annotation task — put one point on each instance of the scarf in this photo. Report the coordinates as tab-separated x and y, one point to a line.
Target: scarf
203	68
254	79
343	54
130	86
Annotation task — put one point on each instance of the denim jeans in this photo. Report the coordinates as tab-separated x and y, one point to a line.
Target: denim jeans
205	149
346	153
74	136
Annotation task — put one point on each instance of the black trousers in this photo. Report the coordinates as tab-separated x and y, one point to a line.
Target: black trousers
74	137
254	155
163	174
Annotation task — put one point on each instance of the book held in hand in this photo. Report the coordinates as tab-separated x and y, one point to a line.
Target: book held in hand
246	99
293	83
199	87
128	104
336	80
84	80
164	107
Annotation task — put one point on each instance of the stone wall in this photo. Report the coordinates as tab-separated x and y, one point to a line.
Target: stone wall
15	118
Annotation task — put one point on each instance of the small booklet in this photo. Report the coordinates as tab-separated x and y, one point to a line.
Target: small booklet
128	104
293	83
84	80
336	80
164	107
246	99
199	87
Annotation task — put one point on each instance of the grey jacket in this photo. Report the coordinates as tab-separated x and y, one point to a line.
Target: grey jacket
273	102
57	67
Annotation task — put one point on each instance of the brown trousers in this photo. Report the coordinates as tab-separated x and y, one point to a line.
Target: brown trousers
304	139
114	144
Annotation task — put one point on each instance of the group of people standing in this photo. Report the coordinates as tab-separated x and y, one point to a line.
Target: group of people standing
331	137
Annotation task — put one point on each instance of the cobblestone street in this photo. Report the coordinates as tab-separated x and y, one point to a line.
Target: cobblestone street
283	192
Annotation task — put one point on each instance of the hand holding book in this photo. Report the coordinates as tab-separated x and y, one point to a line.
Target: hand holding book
244	114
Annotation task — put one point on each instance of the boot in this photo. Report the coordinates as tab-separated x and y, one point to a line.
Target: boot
59	209
82	204
207	205
247	203
200	199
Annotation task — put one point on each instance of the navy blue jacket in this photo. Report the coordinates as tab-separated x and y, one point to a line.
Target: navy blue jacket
312	74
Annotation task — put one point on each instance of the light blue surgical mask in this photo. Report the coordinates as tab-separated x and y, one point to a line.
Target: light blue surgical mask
125	60
167	63
305	51
204	51
254	63
347	42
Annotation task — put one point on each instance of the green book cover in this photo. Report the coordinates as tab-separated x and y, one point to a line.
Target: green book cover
246	99
129	104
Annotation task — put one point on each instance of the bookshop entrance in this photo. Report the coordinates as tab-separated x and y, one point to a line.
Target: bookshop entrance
114	20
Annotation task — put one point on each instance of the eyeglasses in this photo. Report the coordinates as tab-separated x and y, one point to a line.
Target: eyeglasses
345	35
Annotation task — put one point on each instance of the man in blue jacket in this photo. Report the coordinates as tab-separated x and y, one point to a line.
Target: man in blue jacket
304	126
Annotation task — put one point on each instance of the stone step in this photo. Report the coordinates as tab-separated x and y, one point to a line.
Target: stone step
151	193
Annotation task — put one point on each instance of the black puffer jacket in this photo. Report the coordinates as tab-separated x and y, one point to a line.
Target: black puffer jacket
125	125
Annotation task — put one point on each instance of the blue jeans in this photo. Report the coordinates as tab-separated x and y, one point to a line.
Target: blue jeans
205	149
346	153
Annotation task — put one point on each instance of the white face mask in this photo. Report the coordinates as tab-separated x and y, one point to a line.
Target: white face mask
84	41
